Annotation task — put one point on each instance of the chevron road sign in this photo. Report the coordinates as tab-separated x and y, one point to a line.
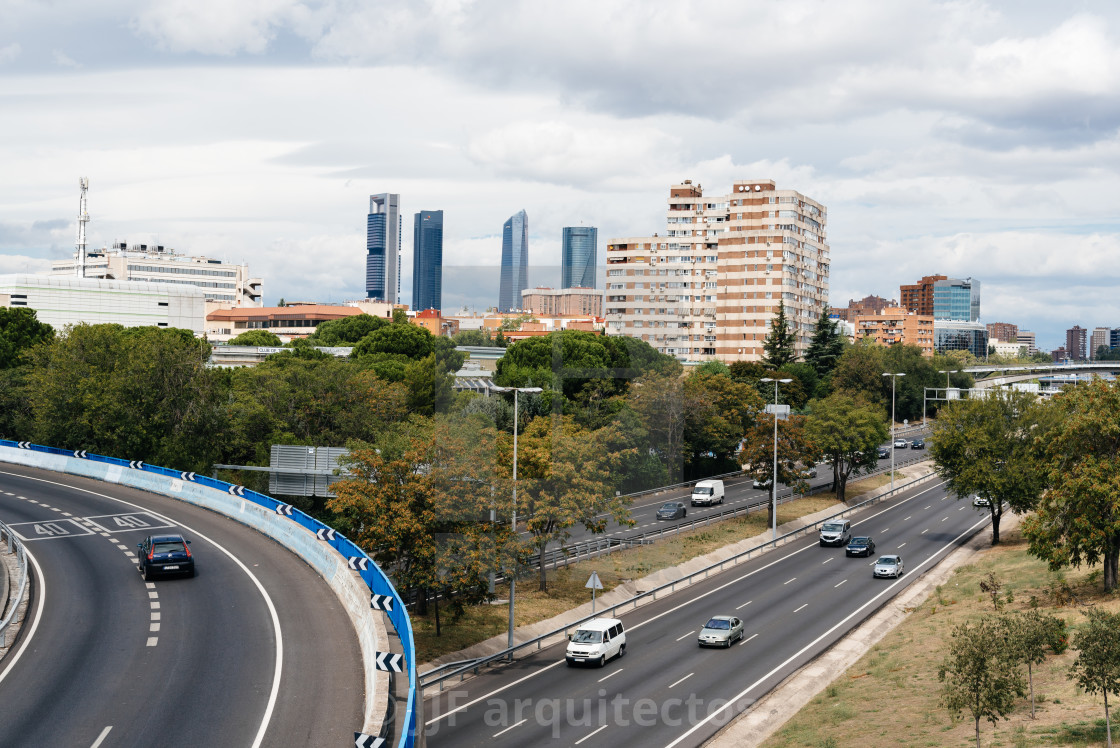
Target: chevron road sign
81	453
388	661
380	602
285	509
236	490
357	563
186	476
136	464
24	445
327	534
361	740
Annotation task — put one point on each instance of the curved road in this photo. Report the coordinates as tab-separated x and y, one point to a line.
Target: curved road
255	650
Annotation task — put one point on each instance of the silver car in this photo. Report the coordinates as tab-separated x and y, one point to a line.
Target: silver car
888	566
720	631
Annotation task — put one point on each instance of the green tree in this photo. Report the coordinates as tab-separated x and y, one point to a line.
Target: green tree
513	324
989	447
1097	668
847	432
474	338
660	402
1077	520
347	330
795	451
20	331
826	346
859	373
1030	635
262	338
979	674
404	339
779	342
718	412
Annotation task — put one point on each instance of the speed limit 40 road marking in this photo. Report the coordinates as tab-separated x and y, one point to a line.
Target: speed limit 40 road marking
60	528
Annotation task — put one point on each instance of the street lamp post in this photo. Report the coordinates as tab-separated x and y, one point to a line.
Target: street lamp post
946	372
894	378
774	476
513	519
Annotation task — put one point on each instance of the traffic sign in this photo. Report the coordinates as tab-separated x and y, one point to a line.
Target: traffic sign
361	740
593	584
357	563
380	602
388	661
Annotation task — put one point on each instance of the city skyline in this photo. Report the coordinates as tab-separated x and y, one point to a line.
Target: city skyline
977	143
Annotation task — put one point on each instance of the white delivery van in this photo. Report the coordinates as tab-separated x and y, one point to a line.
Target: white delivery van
596	641
707	493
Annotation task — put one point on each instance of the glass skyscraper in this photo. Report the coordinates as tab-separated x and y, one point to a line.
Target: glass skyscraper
515	261
427	260
956	299
383	248
579	255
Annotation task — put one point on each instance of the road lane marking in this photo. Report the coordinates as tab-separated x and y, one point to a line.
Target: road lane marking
616	672
592	734
155	615
101	737
902	544
884	530
806	605
153	595
827	560
924	508
153	628
747	639
153	640
905	518
944	518
748	602
518	724
837	585
155	605
690	633
785	583
923	532
682	680
40	597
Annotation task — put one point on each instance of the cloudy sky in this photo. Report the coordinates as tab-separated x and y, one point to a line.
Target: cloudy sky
963	138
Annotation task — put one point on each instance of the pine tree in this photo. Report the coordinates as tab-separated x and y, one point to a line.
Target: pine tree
826	346
779	342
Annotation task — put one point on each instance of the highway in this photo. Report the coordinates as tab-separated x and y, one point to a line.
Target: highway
255	650
796	602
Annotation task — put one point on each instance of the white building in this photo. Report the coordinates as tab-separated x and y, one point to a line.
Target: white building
61	301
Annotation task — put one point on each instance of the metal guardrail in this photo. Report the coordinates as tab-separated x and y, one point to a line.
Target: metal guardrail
472	667
15	545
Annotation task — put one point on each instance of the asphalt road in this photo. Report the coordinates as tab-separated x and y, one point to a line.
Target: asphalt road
255	650
666	691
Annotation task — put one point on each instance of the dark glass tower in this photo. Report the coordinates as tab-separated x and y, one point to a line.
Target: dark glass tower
579	254
515	261
383	247
427	260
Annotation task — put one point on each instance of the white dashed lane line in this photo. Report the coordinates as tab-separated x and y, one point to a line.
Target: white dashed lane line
806	605
747	639
837	585
827	560
682	680
792	580
748	602
690	633
923	532
616	672
516	724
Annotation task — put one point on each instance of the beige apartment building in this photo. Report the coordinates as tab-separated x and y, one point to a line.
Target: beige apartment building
709	287
563	302
898	325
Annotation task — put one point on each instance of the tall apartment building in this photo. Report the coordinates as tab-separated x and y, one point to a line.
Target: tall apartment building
1004	331
867	306
898	325
222	284
1077	343
563	302
579	254
918	297
1098	338
710	286
515	261
427	260
383	248
1027	338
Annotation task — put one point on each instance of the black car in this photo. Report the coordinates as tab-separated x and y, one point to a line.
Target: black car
884	452
861	546
672	510
165	554
918	444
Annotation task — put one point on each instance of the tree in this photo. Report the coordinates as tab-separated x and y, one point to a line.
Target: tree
859	372
847	432
1077	520
988	446
1030	634
979	674
262	338
1097	668
659	400
20	331
795	451
347	330
826	346
474	338
718	411
779	341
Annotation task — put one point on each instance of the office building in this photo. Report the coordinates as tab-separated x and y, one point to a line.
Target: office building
1027	338
865	307
956	299
918	297
563	302
287	322
1004	331
579	254
1077	343
222	284
515	261
427	260
898	325
1114	338
1059	354
709	287
383	248
1098	339
954	335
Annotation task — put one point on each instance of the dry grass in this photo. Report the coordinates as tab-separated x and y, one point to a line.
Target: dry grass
566	585
890	697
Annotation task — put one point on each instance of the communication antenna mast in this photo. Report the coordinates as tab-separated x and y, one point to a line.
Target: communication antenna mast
83	219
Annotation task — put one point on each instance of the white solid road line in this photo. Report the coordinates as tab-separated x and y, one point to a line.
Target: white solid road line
682	680
802	607
616	672
747	639
101	737
837	585
518	724
275	692
690	633
40	596
748	602
588	736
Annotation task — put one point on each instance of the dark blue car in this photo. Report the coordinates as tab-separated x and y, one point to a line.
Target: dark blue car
165	554
861	546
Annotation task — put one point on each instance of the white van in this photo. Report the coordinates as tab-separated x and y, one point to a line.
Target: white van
707	493
836	532
596	641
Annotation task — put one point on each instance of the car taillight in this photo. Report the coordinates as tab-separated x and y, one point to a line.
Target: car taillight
187	549
151	553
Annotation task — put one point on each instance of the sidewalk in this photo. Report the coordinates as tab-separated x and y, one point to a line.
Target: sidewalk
624	592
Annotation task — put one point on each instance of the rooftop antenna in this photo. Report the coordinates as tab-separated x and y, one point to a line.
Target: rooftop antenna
83	219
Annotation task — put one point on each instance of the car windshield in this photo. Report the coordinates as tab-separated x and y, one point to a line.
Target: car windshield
167	546
668	507
583	636
886	561
718	623
859	541
702	491
833	527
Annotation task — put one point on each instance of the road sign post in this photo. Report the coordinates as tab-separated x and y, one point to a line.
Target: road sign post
593	584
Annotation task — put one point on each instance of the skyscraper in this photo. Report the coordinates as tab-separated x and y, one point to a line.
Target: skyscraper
515	261
579	254
956	299
383	247
427	260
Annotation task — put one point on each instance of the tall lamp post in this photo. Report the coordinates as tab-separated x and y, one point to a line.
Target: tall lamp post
513	519
894	378
774	477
